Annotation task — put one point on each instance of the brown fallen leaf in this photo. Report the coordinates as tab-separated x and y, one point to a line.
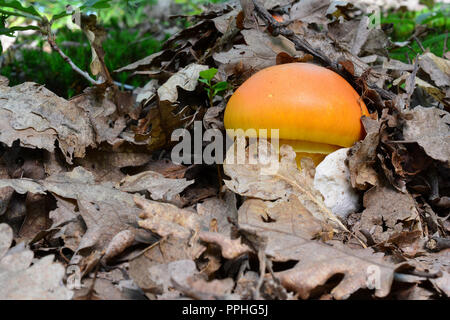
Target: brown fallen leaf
248	180
105	210
437	68
289	236
160	188
166	219
388	212
216	213
429	127
156	128
37	117
318	262
259	52
230	249
103	114
20	280
362	156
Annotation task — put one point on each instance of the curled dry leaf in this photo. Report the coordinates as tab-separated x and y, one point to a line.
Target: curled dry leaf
260	51
19	280
320	261
162	119
248	180
437	68
118	244
160	188
215	213
166	219
429	127
105	210
388	212
316	11
362	156
103	113
231	249
37	117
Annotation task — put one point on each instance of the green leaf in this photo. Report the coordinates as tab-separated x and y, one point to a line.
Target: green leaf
11	13
61	15
205	81
96	4
220	86
14	4
208	74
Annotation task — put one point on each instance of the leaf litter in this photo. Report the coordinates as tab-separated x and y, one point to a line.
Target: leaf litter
89	181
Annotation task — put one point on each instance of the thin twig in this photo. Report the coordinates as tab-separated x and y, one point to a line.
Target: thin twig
419	43
74	67
124	85
277	29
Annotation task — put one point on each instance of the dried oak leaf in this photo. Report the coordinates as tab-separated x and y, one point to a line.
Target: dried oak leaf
37	117
362	156
215	213
316	11
215	289
259	52
165	275
288	231
23	278
103	114
429	127
248	180
319	261
435	263
5	193
96	35
105	210
437	68
106	164
160	188
163	119
167	220
388	212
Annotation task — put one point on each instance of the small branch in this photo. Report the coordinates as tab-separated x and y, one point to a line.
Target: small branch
124	85
276	28
419	43
74	67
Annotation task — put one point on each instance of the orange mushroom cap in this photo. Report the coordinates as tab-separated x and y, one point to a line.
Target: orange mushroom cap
315	109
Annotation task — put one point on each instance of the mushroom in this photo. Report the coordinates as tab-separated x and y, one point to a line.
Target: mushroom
315	109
